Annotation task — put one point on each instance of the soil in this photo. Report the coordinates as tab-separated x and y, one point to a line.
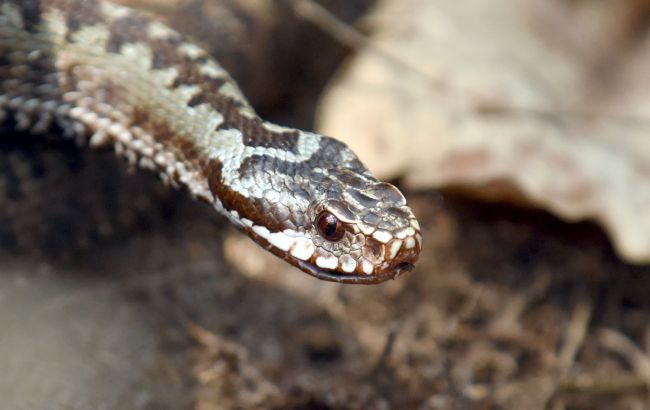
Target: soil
508	308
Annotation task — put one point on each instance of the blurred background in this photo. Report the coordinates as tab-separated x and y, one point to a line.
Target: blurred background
519	131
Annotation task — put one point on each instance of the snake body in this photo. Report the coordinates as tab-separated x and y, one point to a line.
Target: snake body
104	75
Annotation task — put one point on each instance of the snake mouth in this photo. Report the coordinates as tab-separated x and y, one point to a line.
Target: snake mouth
333	276
307	266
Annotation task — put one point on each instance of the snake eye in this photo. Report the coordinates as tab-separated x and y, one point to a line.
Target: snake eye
329	226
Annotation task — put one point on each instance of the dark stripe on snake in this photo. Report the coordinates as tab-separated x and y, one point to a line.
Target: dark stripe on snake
128	29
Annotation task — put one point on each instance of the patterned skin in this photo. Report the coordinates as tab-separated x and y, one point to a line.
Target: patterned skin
106	75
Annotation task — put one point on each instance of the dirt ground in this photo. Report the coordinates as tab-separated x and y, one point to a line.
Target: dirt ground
508	308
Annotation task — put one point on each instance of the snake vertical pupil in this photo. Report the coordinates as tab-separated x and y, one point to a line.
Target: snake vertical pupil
330	227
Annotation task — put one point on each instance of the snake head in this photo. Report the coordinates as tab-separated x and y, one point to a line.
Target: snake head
366	234
358	230
314	204
349	243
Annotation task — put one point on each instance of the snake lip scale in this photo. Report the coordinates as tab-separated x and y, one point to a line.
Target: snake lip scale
359	280
109	77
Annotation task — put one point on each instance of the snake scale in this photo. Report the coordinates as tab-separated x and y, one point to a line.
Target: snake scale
104	75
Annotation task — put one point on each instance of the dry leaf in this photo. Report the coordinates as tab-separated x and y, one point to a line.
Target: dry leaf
549	98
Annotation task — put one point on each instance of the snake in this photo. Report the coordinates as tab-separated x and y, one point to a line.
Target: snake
104	75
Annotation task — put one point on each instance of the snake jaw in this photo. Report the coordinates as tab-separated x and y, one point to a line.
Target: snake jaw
382	269
335	276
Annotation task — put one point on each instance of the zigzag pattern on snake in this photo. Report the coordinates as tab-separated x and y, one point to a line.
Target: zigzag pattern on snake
107	76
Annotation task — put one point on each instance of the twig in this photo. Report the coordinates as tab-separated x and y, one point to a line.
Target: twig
351	37
615	384
385	354
575	333
621	344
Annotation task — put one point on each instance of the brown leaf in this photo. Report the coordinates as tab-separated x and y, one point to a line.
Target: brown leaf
549	99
